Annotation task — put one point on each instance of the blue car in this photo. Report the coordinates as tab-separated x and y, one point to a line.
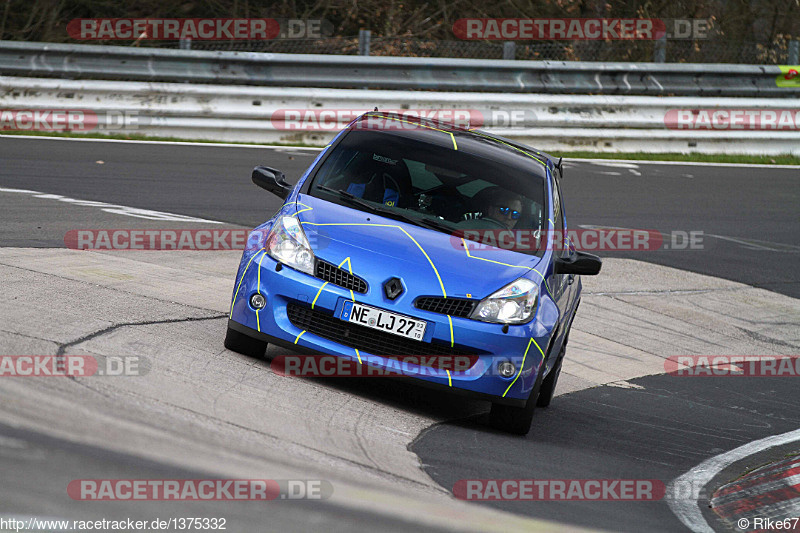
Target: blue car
421	241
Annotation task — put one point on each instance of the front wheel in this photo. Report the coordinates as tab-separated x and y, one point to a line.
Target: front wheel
241	343
516	420
549	384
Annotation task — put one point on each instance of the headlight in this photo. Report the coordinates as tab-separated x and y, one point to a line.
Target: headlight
287	243
513	304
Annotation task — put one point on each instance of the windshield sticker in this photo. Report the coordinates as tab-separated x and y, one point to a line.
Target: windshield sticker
383	159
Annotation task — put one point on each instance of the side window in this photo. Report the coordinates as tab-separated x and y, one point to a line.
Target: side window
558	212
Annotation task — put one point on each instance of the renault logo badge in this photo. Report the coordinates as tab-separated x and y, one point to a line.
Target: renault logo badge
393	288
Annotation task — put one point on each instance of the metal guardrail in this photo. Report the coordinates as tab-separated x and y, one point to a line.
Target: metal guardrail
257	114
72	61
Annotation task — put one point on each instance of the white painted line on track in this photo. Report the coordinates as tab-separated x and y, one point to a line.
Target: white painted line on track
687	163
116	209
616	164
169	143
688	510
756	244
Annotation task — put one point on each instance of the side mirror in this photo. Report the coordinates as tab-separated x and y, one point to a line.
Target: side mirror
272	180
581	263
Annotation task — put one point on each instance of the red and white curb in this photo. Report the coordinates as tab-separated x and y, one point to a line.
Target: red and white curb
764	496
688	509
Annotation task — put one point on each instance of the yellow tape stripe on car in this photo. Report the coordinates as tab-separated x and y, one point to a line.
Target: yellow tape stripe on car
298	336
466	249
258	288
350	269
426	257
352	296
359	356
307	208
509	145
449	379
318	293
546	286
452	137
523	364
452	340
240	282
444	293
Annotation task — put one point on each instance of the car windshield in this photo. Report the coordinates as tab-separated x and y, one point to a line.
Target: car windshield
439	188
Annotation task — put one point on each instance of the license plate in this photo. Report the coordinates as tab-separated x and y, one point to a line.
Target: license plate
375	318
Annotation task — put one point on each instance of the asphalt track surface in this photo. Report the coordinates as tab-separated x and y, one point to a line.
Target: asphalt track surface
657	431
43	465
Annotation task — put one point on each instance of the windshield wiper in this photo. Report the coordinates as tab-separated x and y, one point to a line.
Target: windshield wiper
432	224
391	213
348	197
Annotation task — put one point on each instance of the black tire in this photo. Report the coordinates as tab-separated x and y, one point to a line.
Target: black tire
549	383
241	343
516	420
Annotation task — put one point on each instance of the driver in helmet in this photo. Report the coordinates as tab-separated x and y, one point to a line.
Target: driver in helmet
505	208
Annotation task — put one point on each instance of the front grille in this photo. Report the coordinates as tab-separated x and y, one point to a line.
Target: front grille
363	338
333	274
460	307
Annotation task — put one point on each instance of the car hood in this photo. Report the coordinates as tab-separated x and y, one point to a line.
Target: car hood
427	261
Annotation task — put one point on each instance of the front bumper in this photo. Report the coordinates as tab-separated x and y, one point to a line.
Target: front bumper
523	345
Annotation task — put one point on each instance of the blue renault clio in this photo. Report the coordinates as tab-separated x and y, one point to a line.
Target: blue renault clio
412	238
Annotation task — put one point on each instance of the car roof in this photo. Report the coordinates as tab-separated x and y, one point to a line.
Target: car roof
470	140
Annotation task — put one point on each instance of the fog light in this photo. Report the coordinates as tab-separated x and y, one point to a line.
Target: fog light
257	301
506	369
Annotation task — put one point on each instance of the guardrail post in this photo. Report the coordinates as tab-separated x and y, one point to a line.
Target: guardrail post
185	43
794	53
660	50
509	50
363	42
